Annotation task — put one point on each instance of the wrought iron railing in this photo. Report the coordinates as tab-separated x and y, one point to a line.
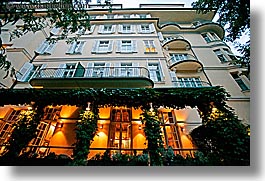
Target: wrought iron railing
191	84
181	58
93	72
170	38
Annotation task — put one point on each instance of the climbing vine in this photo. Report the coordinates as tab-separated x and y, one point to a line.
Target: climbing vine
24	131
86	129
153	135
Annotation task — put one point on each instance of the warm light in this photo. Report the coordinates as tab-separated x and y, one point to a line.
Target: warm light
101	126
140	127
151	107
29	108
214	109
88	106
59	124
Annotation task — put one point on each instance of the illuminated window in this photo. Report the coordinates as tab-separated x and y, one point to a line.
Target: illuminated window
149	46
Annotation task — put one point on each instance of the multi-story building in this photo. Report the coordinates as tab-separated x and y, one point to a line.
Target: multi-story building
153	46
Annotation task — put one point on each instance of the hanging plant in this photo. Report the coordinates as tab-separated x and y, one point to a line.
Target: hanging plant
86	129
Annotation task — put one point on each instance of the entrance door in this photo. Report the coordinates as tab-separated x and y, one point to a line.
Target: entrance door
120	130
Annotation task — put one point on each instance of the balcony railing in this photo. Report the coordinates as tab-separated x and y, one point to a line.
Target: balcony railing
93	72
92	77
183	57
191	84
170	38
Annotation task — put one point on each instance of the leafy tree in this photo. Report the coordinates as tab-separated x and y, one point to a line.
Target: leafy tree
223	139
234	15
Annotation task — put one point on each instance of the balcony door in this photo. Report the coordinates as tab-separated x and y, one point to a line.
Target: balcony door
120	130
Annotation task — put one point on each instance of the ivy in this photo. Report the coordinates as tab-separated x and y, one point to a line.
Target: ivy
86	129
153	135
24	131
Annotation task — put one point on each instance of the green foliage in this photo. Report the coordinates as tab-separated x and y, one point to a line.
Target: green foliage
86	129
223	139
235	17
24	131
153	135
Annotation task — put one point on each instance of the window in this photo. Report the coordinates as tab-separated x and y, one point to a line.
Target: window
82	30
178	57
106	29
56	31
69	70
126	46
102	46
13	116
126	28
76	47
190	82
45	48
221	56
51	113
155	72
126	69
146	28
126	16
239	81
7	126
209	37
28	71
206	37
97	70
149	46
230	54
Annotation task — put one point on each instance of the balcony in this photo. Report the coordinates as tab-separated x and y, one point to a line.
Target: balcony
184	62
190	84
176	43
92	77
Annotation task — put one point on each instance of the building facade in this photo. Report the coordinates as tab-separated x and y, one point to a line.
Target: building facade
153	46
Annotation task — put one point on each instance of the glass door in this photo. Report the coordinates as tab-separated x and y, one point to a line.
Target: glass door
120	130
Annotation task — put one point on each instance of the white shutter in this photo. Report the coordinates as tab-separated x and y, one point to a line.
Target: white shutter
161	70
79	47
24	71
42	71
173	75
132	28
43	46
152	28
101	29
139	28
55	31
107	70
136	69
117	69
118	46
80	31
110	46
134	46
72	48
60	71
113	28
91	29
89	69
50	48
160	36
95	46
120	28
148	16
104	16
